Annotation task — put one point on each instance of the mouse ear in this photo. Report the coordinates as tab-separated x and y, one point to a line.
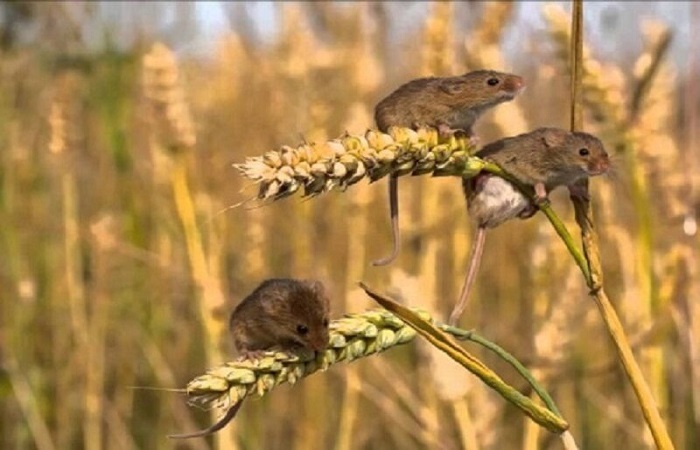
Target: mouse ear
554	137
316	286
451	87
320	290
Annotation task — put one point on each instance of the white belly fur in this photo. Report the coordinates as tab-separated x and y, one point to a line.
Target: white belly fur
498	201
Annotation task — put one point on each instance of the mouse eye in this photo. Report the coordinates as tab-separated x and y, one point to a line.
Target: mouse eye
302	329
583	152
325	323
492	81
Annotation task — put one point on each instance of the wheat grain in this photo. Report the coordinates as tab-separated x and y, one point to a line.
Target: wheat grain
351	337
340	163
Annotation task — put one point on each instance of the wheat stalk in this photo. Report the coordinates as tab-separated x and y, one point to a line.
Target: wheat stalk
584	218
173	130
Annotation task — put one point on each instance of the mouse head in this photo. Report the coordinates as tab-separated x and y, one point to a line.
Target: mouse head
483	88
579	154
305	316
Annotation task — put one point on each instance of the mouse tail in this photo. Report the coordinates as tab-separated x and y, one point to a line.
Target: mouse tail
394	212
474	263
230	414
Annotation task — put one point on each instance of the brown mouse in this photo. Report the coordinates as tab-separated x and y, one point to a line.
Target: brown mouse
447	103
284	314
544	159
280	314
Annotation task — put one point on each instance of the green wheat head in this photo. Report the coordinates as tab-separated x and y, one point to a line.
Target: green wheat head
351	337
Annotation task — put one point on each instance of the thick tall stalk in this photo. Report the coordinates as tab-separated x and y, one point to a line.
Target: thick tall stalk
584	218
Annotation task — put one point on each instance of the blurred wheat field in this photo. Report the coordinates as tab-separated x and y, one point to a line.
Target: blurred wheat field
119	268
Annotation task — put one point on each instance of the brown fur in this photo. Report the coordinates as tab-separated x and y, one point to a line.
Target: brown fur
268	319
271	317
449	104
549	156
453	101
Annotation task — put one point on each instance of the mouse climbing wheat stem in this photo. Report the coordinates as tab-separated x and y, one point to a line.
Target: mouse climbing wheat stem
542	159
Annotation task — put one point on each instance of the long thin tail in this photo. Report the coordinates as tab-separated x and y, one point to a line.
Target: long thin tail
394	211
474	263
230	414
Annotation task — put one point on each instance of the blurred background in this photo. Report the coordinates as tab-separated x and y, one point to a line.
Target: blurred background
119	122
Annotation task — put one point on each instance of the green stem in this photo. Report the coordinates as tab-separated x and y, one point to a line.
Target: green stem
563	232
470	335
589	239
544	417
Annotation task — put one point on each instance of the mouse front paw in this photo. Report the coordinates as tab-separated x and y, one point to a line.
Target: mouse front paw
540	194
252	355
419	125
445	131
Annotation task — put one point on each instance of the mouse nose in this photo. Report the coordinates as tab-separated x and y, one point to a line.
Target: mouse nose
319	343
514	83
600	166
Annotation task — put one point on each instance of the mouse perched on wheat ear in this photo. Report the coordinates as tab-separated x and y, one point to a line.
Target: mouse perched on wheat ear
281	314
544	159
447	103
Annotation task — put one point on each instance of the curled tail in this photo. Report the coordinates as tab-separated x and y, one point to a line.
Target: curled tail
230	414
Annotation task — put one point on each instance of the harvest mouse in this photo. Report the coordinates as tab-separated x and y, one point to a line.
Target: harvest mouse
280	314
284	314
544	159
447	103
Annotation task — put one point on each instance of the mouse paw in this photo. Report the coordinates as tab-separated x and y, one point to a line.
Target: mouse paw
252	355
540	194
419	125
446	132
